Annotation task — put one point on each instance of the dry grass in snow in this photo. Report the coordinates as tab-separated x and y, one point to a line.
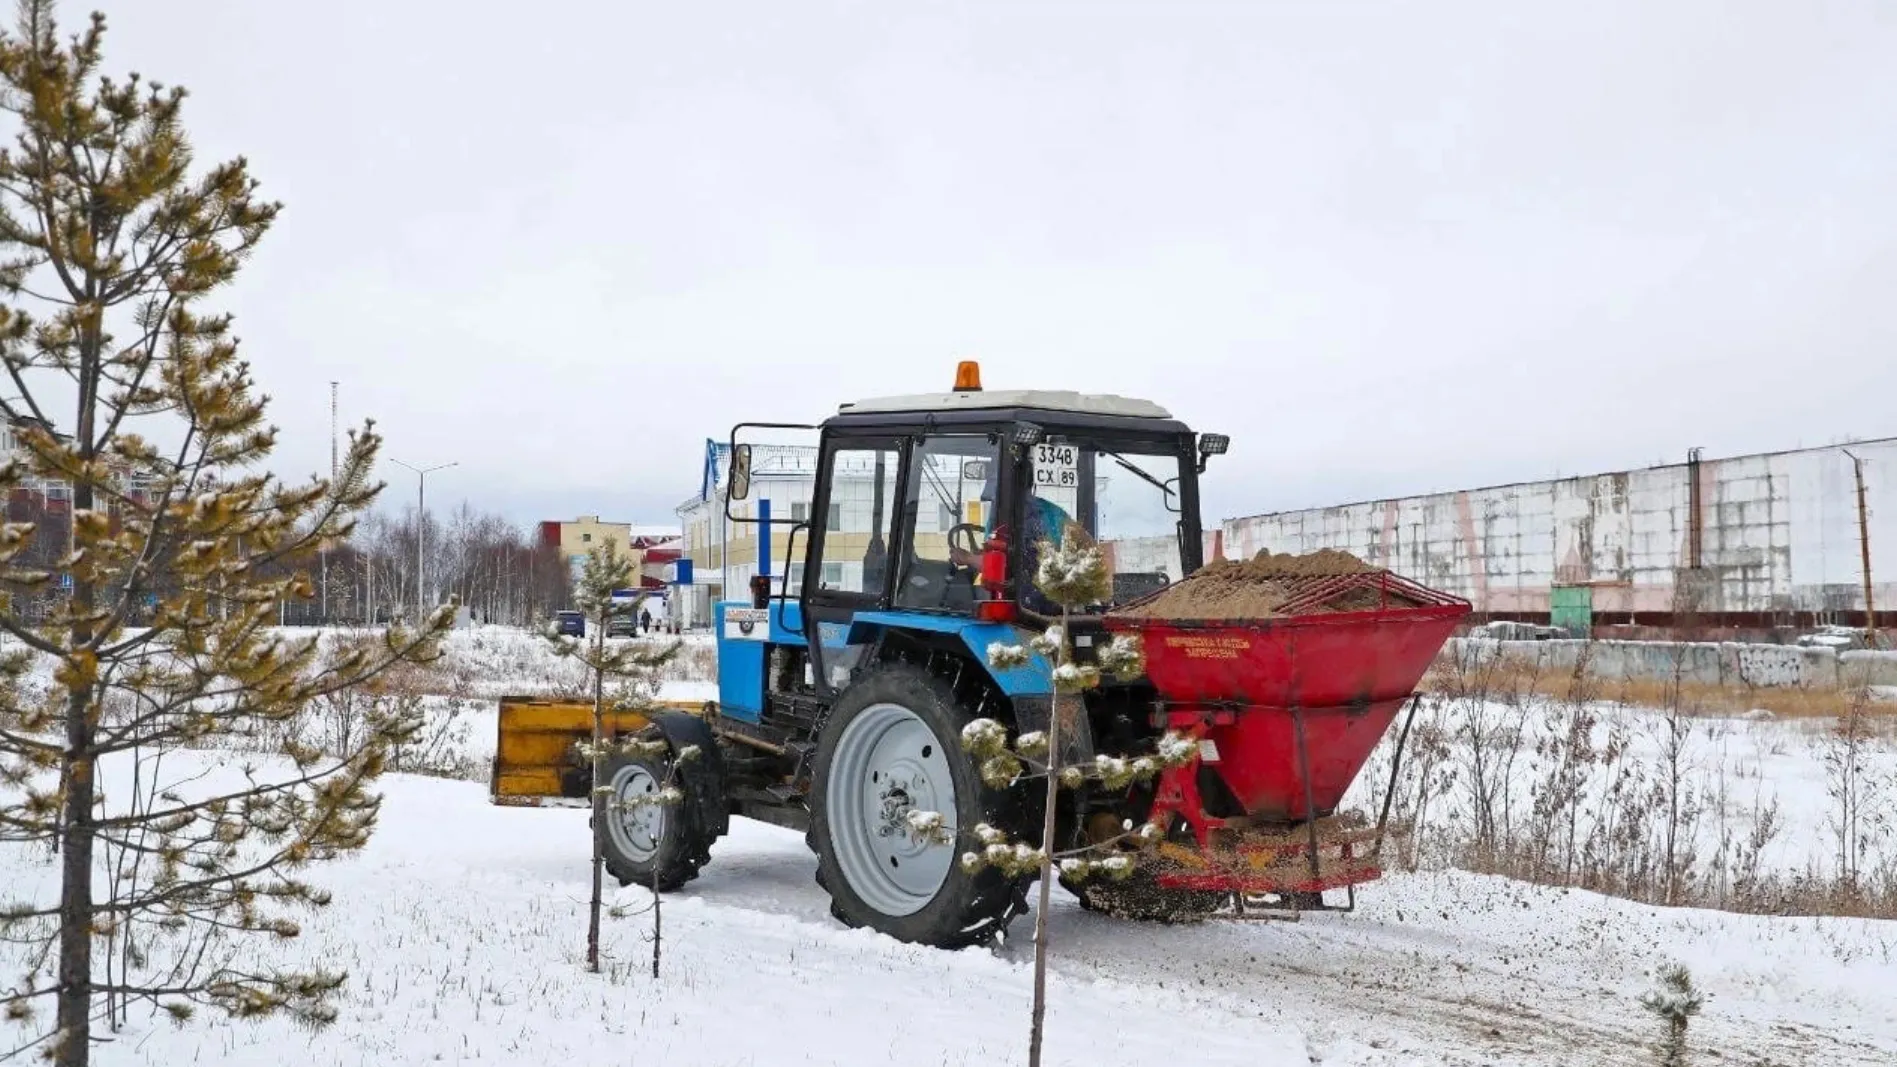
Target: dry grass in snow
1557	781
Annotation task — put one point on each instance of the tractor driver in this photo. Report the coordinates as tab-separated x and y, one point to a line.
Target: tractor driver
1046	521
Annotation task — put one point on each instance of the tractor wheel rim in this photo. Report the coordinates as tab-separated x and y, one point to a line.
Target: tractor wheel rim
638	821
887	764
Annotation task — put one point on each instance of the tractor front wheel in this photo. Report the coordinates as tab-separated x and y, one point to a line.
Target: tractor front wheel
890	748
647	841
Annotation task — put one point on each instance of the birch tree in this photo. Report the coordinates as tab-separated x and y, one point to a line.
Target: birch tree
129	391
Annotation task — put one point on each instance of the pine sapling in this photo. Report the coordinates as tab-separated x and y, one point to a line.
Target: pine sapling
606	571
1073	574
1674	1002
667	797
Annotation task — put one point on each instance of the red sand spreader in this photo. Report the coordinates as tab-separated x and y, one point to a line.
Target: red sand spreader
1287	710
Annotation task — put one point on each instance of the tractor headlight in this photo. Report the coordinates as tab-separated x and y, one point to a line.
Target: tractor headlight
1213	444
1028	434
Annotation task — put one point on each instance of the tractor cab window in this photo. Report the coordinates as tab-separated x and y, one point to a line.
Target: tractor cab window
1125	493
944	521
856	525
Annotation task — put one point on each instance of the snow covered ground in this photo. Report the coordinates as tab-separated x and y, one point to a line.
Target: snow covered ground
462	924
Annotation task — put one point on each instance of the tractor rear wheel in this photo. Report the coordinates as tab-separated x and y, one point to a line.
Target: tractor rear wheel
644	839
891	747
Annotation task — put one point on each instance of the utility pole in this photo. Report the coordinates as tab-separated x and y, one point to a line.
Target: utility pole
1864	547
421	530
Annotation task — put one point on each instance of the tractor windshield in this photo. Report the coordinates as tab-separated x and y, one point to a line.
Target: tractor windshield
1123	492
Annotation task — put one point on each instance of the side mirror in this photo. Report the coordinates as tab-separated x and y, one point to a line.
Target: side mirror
740	486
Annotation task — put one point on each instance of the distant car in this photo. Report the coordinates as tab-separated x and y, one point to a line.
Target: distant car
569	623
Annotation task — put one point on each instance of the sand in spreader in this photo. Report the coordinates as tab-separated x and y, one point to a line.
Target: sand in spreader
1257	588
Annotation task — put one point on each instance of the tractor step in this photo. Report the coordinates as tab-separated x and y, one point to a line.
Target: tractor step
803	755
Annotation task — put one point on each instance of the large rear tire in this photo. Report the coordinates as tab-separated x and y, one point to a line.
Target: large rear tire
891	746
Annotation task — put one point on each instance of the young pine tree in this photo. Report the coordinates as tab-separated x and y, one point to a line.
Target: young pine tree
125	390
636	663
1674	1002
1073	574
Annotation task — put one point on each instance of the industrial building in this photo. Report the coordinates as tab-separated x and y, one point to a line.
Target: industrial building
1766	540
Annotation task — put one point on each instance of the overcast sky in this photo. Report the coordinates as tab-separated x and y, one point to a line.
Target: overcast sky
1390	248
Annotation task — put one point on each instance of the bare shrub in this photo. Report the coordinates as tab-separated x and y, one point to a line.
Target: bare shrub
1750	884
1515	770
1859	817
1566	749
1675	792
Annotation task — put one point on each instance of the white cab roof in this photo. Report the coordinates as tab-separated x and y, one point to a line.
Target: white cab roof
1051	399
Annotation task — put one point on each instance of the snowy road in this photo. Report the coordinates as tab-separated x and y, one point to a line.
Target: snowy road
462	925
1453	968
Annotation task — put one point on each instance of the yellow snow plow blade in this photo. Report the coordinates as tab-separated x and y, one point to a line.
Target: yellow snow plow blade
535	762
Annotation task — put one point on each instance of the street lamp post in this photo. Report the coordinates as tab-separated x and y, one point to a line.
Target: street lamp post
421	529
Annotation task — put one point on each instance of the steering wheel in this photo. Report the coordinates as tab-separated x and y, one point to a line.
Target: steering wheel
975	536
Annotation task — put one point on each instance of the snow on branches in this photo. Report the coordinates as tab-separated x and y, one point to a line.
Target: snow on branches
1118	867
1074	573
1010	857
1075	678
987	741
1008	657
928	828
1122	657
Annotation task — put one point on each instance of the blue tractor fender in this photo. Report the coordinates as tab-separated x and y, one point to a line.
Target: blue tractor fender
1033	679
741	665
1029	687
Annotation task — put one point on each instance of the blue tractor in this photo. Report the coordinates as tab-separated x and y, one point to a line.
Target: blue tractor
844	685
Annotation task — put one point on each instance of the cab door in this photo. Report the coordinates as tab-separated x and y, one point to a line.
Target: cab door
847	567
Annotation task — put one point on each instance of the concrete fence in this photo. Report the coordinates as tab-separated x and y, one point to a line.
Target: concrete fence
1762	666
